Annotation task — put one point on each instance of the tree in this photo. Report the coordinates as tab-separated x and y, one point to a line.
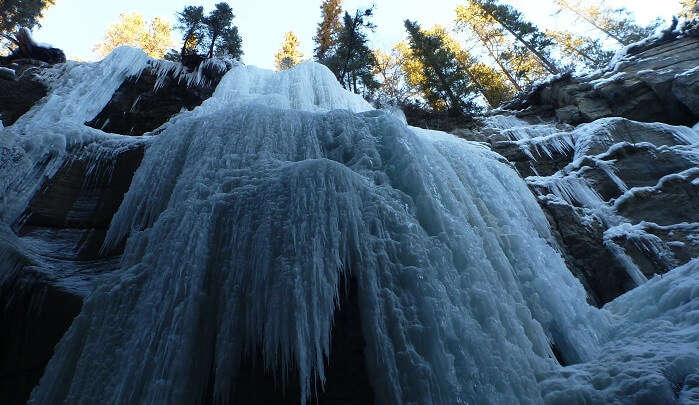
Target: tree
217	22
581	48
491	36
328	28
395	87
16	14
213	34
690	9
492	84
486	80
231	44
445	83
190	22
154	38
289	55
352	61
525	32
617	24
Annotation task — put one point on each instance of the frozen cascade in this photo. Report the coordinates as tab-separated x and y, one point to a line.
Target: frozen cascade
247	212
420	219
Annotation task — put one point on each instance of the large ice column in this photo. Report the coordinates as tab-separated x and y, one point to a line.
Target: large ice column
244	217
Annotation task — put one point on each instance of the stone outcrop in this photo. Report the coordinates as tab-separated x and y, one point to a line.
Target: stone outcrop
619	185
620	195
65	224
144	103
28	49
20	88
652	81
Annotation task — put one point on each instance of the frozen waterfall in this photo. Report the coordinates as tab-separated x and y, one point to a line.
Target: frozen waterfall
248	212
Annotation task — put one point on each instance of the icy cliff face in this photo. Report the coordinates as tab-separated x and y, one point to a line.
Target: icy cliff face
248	212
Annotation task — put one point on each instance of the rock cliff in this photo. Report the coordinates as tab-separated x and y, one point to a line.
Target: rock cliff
613	161
610	156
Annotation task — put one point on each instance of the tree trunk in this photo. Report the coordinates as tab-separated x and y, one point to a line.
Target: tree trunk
497	60
480	87
594	24
349	50
213	43
547	63
584	55
455	102
10	38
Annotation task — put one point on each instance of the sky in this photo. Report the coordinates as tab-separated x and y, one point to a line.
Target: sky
77	25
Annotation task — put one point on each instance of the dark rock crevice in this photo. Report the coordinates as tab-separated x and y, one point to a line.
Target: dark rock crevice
34	316
145	102
347	381
20	92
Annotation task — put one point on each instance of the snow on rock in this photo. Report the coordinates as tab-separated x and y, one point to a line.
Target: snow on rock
653	354
7	73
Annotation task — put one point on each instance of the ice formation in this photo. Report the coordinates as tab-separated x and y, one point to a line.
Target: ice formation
248	211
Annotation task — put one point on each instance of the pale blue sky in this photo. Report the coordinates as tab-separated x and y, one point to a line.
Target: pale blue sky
77	25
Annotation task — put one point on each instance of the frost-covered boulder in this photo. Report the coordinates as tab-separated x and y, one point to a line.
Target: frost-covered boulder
19	92
29	49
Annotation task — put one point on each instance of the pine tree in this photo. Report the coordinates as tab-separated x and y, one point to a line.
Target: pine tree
328	29
16	14
289	55
617	24
352	61
581	48
191	24
231	44
446	84
489	83
154	37
525	32
217	22
492	85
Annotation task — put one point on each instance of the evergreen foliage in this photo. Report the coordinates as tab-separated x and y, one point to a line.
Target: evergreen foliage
289	55
190	22
16	14
216	24
329	29
154	37
230	43
352	61
213	34
491	36
444	83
